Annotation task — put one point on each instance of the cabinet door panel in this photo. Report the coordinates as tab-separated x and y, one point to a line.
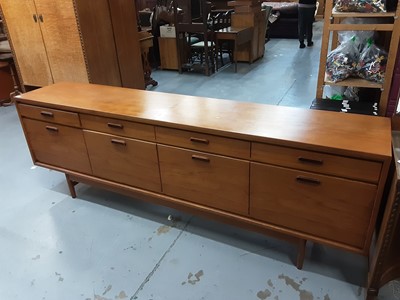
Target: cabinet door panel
124	160
322	206
62	40
57	145
211	180
27	42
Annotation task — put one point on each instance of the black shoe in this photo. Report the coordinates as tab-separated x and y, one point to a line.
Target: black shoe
310	44
302	45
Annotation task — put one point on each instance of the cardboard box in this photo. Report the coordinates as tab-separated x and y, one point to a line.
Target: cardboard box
167	31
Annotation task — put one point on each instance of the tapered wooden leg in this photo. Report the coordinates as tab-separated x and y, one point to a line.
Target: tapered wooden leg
372	294
71	186
301	253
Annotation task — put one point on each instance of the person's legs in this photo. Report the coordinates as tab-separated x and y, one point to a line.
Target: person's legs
309	25
302	25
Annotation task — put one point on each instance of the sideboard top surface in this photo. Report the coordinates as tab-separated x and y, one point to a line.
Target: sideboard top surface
312	129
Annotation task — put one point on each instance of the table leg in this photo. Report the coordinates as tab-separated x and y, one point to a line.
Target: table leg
71	186
235	55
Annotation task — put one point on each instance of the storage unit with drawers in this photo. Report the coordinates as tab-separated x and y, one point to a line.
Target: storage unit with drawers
294	173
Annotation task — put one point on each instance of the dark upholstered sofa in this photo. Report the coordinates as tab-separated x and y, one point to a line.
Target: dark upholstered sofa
284	20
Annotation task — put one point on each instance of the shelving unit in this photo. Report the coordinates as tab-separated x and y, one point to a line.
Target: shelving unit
332	25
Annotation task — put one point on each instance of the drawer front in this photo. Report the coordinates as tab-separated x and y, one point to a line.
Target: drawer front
206	179
124	160
57	145
317	162
118	127
321	206
49	115
203	142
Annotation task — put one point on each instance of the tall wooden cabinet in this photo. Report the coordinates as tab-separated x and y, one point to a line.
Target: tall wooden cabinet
92	41
45	39
391	30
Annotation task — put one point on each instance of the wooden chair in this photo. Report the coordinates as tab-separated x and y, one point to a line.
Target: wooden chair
197	25
223	20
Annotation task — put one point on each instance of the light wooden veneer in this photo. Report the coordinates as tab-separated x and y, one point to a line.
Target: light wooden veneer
292	173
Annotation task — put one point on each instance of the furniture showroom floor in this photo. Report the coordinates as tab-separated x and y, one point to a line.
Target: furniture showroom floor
106	246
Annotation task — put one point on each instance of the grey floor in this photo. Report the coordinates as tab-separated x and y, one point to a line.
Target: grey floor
103	246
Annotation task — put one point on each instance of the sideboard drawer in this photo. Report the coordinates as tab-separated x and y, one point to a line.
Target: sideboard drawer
322	206
57	145
346	167
206	179
203	142
118	127
49	115
124	160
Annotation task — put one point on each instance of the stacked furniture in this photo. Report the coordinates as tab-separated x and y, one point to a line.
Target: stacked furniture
248	13
321	179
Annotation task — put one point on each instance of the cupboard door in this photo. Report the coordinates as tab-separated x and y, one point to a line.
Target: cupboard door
321	206
124	160
62	40
57	145
206	179
27	42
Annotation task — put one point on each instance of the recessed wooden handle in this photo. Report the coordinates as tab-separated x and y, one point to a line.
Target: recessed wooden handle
118	142
199	157
41	18
310	160
46	113
198	140
34	18
308	180
115	125
51	128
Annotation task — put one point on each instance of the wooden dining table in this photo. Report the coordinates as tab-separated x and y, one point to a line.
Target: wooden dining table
239	35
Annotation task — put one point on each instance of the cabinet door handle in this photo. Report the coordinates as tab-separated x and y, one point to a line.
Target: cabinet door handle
51	128
46	113
118	142
34	18
115	125
308	180
197	140
41	18
199	157
310	160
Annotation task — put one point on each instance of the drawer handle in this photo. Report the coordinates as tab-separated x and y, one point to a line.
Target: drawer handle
202	158
115	125
51	128
197	140
303	179
118	142
310	161
46	113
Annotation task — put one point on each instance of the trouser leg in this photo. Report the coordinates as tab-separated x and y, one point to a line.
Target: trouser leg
309	24
301	24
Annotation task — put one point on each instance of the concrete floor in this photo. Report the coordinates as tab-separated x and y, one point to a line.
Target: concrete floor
103	246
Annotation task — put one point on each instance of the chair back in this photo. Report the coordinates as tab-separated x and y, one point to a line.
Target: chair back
222	20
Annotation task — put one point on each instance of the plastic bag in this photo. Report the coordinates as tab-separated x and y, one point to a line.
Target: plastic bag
351	93
333	92
372	63
341	62
361	36
362	6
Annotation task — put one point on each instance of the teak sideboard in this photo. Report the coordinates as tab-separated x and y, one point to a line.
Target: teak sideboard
294	173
